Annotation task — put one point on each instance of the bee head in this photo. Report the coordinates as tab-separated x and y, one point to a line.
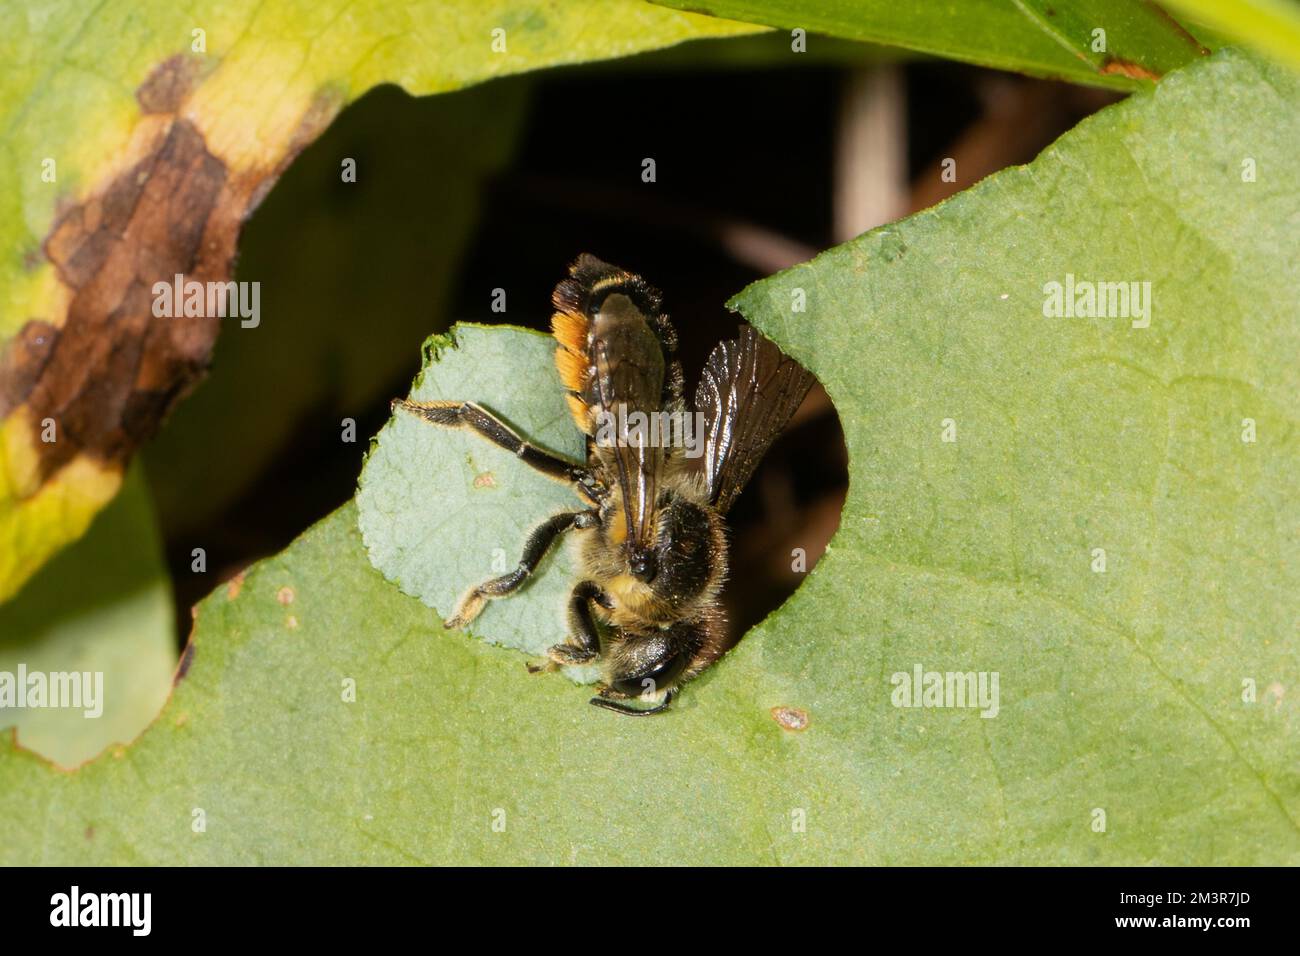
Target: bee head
656	673
648	666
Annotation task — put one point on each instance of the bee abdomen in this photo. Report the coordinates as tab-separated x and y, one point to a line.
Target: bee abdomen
613	341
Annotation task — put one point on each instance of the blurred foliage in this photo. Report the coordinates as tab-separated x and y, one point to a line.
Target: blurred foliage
1272	26
347	286
1049	38
103	605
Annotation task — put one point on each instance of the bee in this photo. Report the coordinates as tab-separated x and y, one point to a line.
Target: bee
652	538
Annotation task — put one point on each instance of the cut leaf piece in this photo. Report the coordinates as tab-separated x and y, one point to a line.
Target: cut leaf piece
442	510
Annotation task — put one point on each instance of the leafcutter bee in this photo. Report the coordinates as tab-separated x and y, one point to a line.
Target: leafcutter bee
652	542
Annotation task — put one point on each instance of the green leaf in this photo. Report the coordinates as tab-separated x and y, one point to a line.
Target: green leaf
1122	692
138	138
1051	38
104	606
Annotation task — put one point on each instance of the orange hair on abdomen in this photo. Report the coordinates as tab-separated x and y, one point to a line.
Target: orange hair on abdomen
570	330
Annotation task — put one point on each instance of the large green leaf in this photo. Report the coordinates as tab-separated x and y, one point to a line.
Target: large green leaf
1138	42
138	136
1123	691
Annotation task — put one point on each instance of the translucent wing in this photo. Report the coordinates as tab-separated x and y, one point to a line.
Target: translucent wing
614	347
638	463
747	393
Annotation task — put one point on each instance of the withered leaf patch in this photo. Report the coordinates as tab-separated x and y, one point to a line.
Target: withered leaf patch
108	370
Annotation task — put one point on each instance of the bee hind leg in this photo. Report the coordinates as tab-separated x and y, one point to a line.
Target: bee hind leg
538	543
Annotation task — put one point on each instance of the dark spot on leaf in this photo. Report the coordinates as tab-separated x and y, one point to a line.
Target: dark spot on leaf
187	658
1134	71
1179	29
169	84
791	718
23	359
114	370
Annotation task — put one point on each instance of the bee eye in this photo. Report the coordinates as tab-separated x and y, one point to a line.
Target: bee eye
661	678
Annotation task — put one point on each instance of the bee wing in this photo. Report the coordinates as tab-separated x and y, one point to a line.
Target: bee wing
638	463
747	392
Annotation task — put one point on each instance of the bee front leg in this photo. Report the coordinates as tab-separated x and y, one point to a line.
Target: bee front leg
583	647
539	542
608	698
478	419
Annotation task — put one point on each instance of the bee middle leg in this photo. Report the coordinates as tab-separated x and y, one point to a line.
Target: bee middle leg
584	645
535	548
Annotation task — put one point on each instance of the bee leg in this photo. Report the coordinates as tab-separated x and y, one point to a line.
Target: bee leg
584	646
539	542
605	700
476	418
